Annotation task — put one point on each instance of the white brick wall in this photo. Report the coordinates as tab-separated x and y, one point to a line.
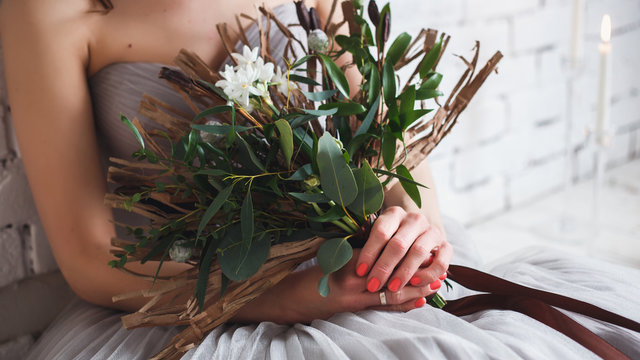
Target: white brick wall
508	148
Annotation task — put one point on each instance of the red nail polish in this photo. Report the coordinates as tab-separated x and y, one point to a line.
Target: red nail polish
420	303
361	270
435	285
415	280
443	276
394	285
373	285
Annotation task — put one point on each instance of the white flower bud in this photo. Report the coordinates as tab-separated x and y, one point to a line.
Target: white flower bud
179	252
318	41
210	137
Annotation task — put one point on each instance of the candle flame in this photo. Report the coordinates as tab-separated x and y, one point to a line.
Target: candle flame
605	28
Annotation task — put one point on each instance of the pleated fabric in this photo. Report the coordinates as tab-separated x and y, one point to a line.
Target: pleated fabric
85	331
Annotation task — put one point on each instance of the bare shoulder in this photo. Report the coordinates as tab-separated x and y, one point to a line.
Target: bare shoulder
47	25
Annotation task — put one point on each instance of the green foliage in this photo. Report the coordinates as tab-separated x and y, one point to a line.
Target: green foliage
239	260
336	176
336	75
276	175
370	195
333	254
409	187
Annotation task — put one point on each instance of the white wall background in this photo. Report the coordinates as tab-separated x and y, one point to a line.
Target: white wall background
507	149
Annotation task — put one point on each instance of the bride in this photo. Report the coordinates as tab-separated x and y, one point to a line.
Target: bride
72	67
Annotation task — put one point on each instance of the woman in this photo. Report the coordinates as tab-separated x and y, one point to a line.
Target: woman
59	55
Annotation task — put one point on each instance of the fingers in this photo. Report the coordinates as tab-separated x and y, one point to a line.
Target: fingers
436	271
418	255
404	307
381	232
400	297
411	227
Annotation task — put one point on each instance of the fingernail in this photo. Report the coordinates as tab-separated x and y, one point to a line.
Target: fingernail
443	276
394	285
420	302
435	285
415	280
361	270
373	285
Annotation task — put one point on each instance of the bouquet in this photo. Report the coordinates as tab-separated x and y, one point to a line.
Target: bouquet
278	165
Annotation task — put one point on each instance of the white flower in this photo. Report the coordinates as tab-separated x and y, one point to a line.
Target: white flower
248	57
265	71
179	252
284	85
239	85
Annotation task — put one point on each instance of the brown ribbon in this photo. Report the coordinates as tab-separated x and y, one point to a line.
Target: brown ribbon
538	304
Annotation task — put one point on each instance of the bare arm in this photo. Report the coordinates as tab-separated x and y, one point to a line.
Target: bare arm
46	53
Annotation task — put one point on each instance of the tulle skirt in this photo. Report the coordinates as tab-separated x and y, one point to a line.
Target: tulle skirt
85	331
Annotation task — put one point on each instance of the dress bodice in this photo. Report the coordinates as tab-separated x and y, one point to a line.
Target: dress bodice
118	89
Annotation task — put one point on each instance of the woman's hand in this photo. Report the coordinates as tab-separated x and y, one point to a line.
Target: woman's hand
403	248
296	298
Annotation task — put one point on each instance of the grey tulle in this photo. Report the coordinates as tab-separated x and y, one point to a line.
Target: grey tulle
85	331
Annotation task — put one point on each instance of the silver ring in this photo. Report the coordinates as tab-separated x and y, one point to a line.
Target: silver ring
383	298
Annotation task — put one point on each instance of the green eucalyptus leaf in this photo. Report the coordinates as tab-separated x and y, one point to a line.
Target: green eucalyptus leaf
398	48
389	83
310	198
336	176
399	177
215	206
333	254
301	120
388	149
238	261
203	273
326	112
319	95
133	129
286	140
302	173
430	59
344	108
374	84
410	117
323	286
424	94
246	219
301	61
303	79
432	82
409	187
212	111
358	141
247	150
336	75
408	100
368	120
370	194
191	146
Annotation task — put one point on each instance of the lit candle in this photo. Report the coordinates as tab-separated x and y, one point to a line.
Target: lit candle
576	32
604	84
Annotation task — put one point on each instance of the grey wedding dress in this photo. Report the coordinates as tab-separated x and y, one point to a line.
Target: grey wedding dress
85	331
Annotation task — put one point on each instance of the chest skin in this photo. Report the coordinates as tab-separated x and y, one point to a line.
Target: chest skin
156	30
